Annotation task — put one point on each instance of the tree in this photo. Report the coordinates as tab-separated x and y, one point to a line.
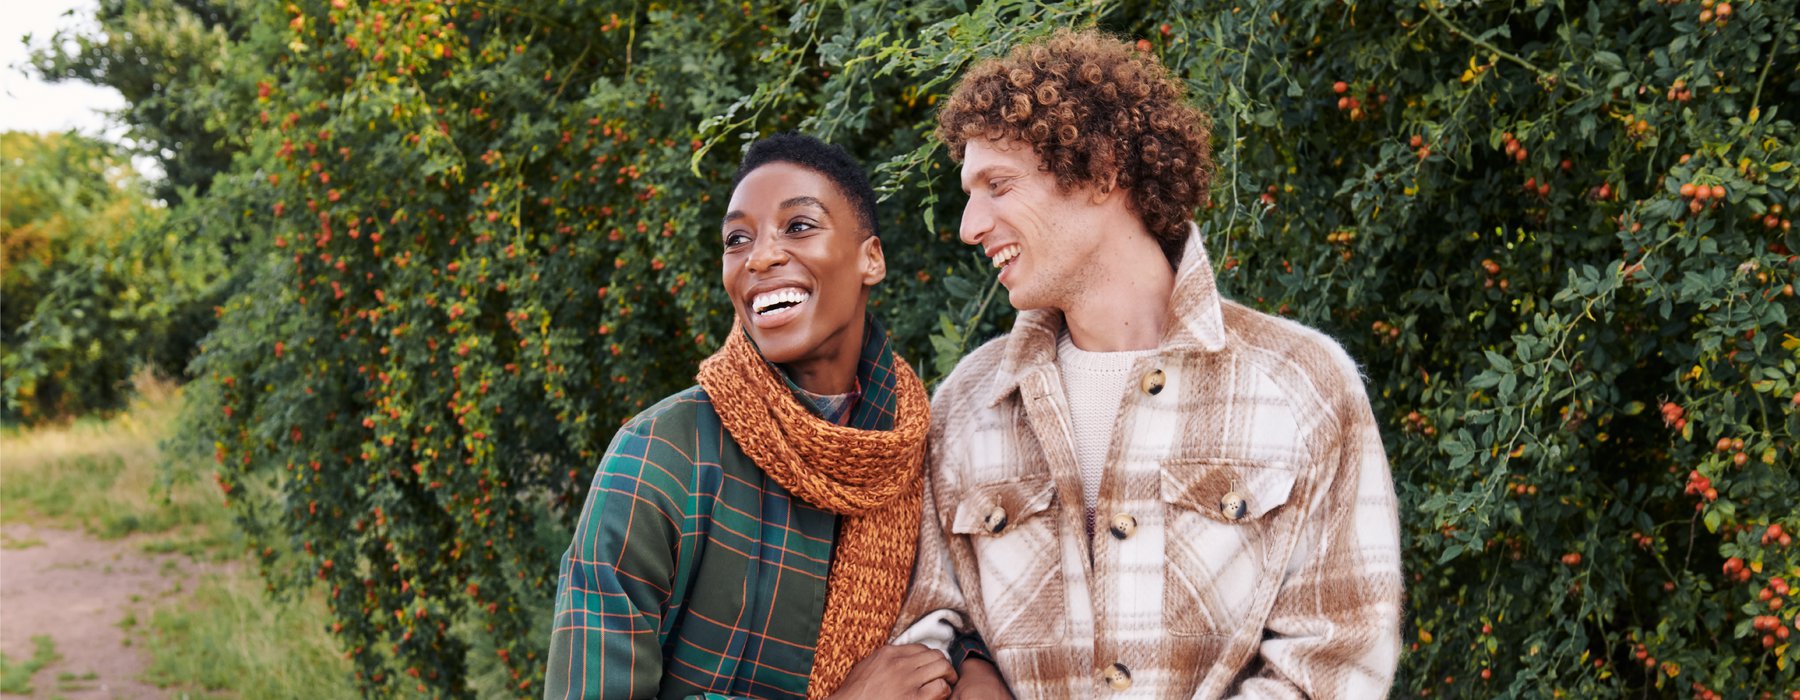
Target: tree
173	61
83	296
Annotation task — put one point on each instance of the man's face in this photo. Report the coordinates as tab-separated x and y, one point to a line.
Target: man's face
798	264
1043	241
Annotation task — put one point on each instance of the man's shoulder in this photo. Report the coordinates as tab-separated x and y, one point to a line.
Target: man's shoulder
1298	356
975	377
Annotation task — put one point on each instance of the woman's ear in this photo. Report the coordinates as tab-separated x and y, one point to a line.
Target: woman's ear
873	261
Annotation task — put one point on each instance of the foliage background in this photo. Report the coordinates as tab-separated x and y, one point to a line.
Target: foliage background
449	247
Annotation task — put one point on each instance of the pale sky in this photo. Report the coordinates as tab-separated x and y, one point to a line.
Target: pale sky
27	103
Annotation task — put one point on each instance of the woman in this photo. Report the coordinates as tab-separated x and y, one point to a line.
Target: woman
754	535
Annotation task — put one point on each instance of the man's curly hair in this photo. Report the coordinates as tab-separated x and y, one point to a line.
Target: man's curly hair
1093	109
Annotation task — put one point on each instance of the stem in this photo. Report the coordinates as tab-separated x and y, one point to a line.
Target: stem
631	41
1769	62
1432	9
980	311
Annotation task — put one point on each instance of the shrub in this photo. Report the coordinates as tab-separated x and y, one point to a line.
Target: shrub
89	285
473	239
1558	237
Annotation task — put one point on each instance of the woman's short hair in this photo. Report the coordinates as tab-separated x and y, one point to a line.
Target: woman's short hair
826	159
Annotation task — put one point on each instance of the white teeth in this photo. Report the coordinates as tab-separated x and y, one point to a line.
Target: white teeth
790	295
1005	255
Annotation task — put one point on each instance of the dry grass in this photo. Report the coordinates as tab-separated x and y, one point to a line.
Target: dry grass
100	475
224	634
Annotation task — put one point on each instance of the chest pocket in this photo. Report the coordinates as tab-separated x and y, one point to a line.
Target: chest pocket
1218	549
1013	530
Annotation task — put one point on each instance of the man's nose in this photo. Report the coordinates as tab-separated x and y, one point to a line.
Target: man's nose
977	220
766	252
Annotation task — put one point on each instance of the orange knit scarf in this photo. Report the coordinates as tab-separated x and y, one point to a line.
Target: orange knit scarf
871	478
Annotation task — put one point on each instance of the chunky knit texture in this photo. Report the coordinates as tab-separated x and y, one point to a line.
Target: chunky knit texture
869	477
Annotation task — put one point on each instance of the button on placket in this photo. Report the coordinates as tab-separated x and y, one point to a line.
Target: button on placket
1117	676
1123	526
1154	381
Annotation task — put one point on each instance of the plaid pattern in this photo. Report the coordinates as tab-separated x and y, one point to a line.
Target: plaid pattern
1300	597
692	573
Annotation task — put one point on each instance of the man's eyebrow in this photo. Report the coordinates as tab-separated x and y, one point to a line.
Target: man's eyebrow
982	174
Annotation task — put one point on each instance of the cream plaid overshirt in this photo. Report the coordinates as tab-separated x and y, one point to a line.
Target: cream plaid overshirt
1172	597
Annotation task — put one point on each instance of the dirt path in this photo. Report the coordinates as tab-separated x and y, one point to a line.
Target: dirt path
77	589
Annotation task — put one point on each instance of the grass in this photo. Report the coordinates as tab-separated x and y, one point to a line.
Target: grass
221	633
100	476
15	676
229	635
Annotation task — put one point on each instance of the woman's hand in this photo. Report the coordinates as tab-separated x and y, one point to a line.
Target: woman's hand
980	681
909	671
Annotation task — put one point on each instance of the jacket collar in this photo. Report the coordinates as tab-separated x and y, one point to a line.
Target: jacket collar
1196	322
876	379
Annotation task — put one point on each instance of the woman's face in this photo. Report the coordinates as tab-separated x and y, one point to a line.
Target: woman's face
798	265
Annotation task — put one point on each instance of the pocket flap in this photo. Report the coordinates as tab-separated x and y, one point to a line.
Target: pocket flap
991	509
1209	485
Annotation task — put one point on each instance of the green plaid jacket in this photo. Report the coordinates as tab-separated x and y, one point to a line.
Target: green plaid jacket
692	573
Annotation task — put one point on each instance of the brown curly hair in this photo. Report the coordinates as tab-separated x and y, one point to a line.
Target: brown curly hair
1094	110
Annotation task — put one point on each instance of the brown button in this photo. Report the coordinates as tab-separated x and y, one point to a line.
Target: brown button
1123	526
1153	382
995	520
1117	676
1233	505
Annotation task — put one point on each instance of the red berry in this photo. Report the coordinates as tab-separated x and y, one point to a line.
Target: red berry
1340	87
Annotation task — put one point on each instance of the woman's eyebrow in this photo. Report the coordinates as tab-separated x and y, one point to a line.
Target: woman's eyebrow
788	203
805	200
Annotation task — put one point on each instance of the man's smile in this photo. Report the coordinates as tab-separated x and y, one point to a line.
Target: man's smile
1005	255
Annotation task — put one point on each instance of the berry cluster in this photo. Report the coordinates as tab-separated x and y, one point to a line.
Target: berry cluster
1513	148
1715	13
1353	105
1698	196
1417	423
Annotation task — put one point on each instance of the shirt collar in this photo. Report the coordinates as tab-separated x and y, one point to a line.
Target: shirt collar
1196	323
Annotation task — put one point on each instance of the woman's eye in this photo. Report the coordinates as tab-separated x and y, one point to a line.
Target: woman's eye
800	226
733	240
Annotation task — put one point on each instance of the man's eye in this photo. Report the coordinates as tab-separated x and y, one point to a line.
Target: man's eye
994	186
733	240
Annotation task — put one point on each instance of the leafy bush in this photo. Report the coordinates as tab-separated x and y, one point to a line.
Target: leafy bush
1559	237
472	239
89	285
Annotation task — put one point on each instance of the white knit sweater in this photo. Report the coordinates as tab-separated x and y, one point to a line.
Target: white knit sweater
1094	383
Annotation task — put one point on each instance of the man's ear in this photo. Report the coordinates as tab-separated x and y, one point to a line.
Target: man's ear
872	261
1104	189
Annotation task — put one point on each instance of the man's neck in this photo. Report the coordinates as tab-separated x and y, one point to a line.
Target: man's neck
1124	304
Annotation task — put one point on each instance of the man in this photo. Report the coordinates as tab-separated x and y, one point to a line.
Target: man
753	535
1143	489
